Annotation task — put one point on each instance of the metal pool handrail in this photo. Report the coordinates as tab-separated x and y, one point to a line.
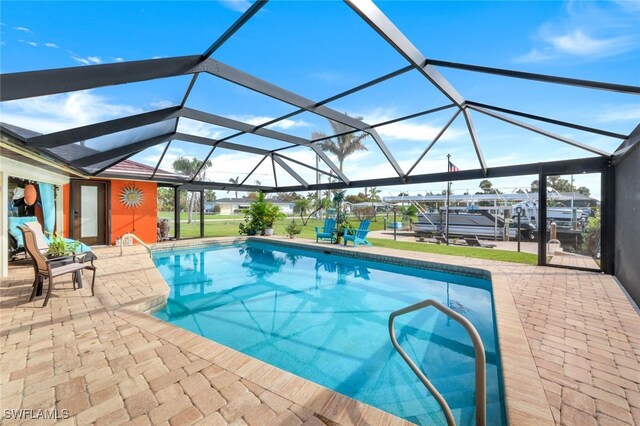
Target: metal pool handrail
135	237
481	374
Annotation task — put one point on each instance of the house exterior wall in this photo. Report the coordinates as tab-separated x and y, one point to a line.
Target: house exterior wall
146	216
286	208
627	223
226	208
122	218
66	205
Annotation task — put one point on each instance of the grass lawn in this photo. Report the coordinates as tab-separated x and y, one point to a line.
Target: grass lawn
224	228
185	215
229	228
477	252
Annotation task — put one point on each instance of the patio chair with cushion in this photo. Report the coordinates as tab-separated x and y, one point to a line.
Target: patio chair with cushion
328	231
359	236
52	267
43	241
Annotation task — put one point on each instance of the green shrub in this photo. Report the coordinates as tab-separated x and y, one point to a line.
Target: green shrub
293	229
260	215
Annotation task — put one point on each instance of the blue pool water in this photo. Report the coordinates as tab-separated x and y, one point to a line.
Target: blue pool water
324	317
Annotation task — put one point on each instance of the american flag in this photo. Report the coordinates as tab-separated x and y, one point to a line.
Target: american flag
453	168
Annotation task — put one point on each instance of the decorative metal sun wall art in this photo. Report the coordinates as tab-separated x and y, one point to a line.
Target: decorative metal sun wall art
131	197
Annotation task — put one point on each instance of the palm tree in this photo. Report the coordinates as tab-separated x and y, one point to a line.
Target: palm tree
486	186
196	170
302	206
234	181
189	167
343	145
373	191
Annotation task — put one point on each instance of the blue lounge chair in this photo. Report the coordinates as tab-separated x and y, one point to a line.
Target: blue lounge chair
328	231
359	236
16	241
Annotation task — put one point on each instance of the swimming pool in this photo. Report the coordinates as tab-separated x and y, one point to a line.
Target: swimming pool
324	317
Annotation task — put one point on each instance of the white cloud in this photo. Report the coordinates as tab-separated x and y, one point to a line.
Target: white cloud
577	42
81	61
30	43
53	113
118	59
289	124
52	45
198	128
534	55
89	60
629	112
162	104
417	132
232	164
150	156
237	5
409	130
256	120
361	170
629	5
586	30
23	29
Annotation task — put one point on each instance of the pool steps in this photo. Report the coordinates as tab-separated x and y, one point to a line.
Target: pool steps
480	360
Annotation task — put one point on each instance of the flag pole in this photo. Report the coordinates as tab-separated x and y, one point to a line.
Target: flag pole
447	209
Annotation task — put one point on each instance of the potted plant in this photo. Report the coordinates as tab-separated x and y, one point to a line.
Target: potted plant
341	216
340	228
273	213
292	230
58	247
260	217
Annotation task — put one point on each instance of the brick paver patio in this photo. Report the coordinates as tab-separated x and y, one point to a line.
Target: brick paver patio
570	344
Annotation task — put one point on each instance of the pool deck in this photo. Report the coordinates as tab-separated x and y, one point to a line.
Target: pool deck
570	347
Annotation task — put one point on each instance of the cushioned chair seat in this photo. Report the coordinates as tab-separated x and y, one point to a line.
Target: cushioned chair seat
43	240
16	233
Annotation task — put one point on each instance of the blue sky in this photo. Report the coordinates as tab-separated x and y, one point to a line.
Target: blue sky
318	49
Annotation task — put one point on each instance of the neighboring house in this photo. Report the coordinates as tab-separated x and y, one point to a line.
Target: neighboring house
87	208
579	200
379	205
230	206
209	206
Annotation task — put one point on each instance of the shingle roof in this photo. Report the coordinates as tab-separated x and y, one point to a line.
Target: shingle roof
133	167
20	132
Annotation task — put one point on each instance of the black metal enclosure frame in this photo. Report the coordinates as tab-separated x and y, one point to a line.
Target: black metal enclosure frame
24	85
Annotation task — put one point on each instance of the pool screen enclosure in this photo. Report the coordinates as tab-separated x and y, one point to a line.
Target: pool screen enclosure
291	160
